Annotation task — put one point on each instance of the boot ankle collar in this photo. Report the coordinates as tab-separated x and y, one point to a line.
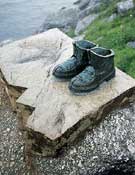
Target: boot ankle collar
96	59
78	44
95	52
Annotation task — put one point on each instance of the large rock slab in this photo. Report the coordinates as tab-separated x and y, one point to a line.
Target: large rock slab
49	113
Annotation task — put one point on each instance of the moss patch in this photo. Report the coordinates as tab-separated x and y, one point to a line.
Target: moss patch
71	33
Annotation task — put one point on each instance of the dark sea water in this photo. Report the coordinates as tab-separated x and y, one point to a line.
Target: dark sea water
21	18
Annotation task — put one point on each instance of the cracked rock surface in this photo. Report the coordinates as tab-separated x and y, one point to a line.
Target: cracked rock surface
110	142
50	114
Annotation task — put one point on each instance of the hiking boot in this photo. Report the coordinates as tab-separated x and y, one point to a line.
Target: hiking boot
75	64
101	69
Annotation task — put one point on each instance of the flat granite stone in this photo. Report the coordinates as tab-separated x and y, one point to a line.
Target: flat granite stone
51	115
59	110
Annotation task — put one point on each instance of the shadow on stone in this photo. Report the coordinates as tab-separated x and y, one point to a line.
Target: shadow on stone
120	168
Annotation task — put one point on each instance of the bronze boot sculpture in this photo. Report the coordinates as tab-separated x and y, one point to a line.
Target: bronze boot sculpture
76	63
100	69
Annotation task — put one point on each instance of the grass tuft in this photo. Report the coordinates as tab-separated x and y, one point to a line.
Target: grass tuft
116	35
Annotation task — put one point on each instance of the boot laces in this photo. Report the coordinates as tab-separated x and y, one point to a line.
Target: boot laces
89	71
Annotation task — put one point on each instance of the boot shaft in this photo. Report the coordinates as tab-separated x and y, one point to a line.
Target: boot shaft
81	49
101	58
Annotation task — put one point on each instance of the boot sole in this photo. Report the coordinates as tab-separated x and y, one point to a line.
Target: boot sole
64	77
67	77
85	92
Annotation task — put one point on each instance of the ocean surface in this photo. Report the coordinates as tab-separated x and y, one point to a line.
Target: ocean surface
21	18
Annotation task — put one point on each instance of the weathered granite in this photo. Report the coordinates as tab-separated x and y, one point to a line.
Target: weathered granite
112	17
124	6
25	63
92	7
83	4
63	110
51	115
84	23
108	143
131	44
3	43
65	19
104	147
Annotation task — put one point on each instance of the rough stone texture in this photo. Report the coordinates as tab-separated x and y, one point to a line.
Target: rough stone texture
65	19
119	168
12	147
92	7
19	59
5	42
83	4
63	110
77	2
27	64
84	23
11	144
84	158
112	17
131	44
124	6
112	141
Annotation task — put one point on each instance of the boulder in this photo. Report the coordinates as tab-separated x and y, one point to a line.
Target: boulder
5	42
77	2
107	149
131	44
124	6
65	19
83	4
93	7
112	17
50	114
84	23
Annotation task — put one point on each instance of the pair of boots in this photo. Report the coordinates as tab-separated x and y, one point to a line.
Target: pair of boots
89	66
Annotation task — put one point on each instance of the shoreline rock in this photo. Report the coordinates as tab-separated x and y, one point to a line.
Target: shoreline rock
80	16
65	20
84	23
131	44
5	42
83	4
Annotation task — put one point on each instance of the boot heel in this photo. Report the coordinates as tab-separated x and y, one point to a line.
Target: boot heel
110	76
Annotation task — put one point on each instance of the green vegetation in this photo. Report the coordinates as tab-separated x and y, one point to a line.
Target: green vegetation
71	33
115	35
